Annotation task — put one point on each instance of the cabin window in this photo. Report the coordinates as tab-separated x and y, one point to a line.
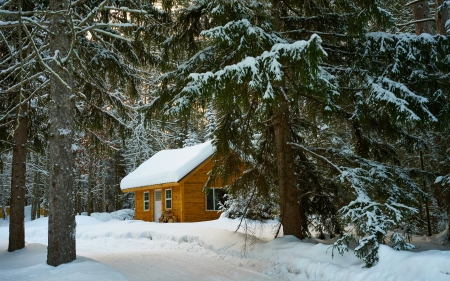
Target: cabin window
146	201
168	198
213	198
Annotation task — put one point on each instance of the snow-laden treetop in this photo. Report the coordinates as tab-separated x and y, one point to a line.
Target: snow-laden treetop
168	166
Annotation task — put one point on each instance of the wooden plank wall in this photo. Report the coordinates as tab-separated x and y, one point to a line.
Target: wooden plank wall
7	212
139	213
194	199
176	202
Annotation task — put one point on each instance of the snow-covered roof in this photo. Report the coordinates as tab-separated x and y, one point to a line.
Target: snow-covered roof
168	166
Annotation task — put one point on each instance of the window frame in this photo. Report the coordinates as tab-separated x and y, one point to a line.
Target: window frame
168	199
146	201
213	192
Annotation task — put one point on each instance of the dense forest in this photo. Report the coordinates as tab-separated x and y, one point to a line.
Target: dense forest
337	112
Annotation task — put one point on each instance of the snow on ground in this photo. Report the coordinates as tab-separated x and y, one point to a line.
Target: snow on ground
113	249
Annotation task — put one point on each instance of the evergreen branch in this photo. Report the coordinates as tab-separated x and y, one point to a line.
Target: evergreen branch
320	157
100	139
125	9
104	25
14	67
14	13
92	13
14	87
112	35
76	3
414	2
315	32
6	43
44	64
45	84
7	3
416	21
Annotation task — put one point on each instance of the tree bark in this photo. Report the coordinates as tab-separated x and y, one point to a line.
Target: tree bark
35	197
89	190
421	10
442	16
61	223
287	182
448	226
427	202
18	179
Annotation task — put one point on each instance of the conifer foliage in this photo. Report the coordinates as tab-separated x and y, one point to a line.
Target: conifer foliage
308	94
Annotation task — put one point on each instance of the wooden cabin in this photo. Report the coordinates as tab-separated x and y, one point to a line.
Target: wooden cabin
1	212
173	180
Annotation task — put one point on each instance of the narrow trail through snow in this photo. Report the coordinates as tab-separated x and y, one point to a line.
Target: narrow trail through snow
172	261
177	265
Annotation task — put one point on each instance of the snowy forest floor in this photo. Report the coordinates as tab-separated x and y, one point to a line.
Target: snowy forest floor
112	249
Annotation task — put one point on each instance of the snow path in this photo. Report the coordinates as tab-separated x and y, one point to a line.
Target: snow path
160	263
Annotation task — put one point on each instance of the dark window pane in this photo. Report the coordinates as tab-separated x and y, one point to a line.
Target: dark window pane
168	204
146	196
210	200
168	194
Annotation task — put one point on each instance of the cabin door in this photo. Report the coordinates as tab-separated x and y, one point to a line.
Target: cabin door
158	205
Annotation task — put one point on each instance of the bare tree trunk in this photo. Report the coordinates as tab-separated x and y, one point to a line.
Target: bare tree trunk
287	182
18	178
61	223
442	17
421	11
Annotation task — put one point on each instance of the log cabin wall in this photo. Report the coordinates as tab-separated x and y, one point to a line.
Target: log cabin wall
139	212
194	203
176	202
7	212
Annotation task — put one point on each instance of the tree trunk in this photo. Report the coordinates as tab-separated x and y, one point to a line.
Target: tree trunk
427	202
289	202
46	187
79	210
442	16
35	195
89	190
61	223
18	178
448	226
421	10
3	199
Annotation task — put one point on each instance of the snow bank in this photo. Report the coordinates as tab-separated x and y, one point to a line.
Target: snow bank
29	264
125	214
288	258
168	166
